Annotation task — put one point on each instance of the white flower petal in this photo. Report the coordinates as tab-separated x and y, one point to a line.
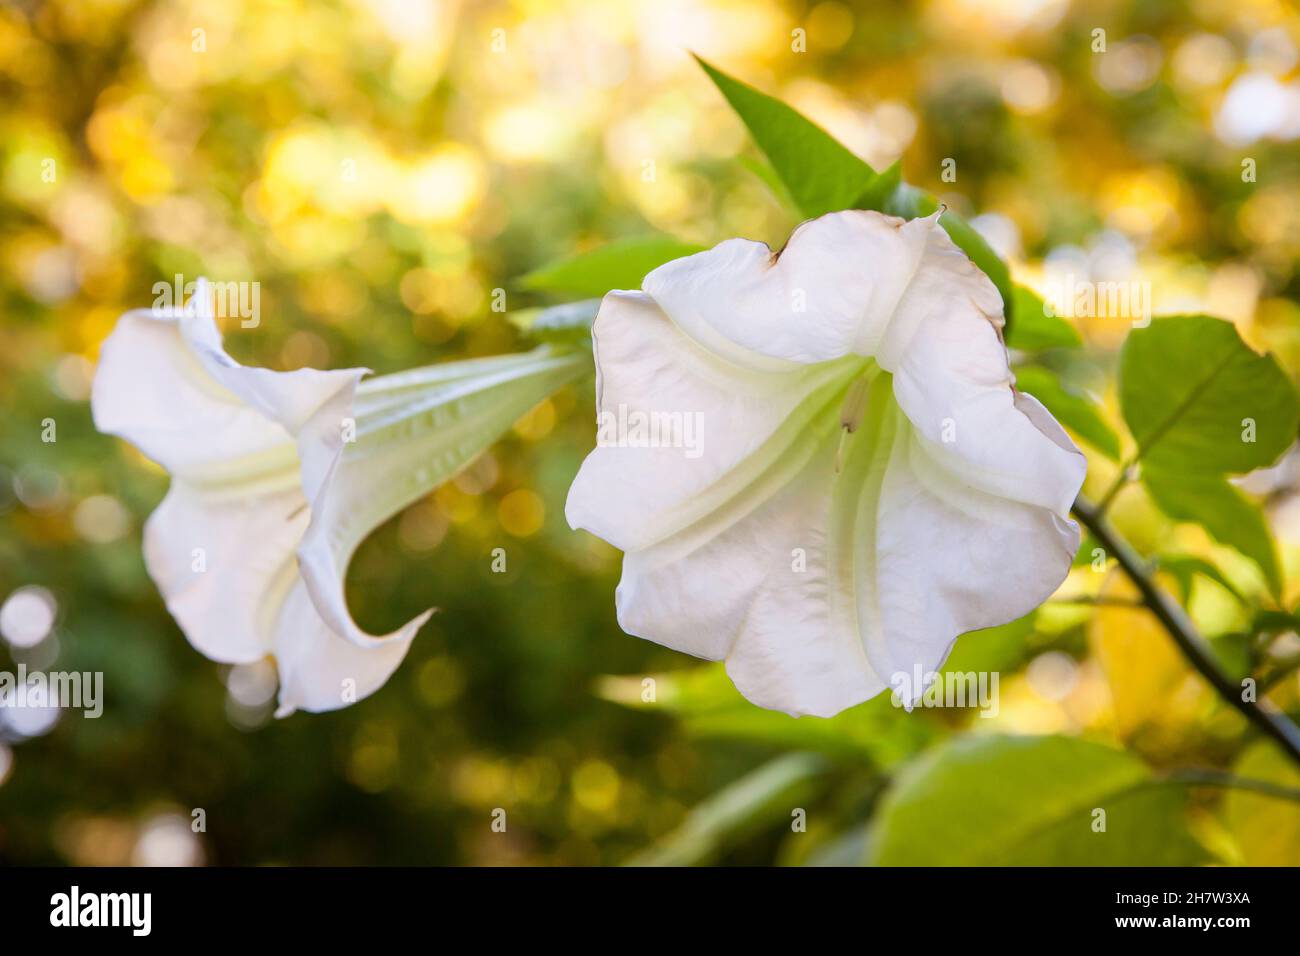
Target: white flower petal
760	585
935	557
222	563
842	525
952	560
152	389
633	496
952	379
832	290
321	671
819	588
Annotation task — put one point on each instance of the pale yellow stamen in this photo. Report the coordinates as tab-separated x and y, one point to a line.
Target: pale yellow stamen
855	406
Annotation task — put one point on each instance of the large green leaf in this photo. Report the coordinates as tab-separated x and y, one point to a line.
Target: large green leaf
1227	514
1017	801
758	799
1076	412
621	264
820	173
1189	387
1201	403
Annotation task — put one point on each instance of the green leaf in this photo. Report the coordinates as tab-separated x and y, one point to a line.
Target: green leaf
1189	390
569	322
708	705
1199	403
1030	801
821	174
1273	621
621	264
767	175
1184	567
881	192
1233	652
756	800
1222	510
1033	329
1076	412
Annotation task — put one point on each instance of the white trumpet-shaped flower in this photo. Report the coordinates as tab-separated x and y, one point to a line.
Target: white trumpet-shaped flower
868	484
277	477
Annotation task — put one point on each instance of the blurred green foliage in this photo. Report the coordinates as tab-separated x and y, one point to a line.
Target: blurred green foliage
381	169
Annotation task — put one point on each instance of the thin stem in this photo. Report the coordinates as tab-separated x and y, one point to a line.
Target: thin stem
1180	627
1220	778
1284	669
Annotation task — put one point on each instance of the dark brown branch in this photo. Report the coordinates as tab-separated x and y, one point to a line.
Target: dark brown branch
1174	619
